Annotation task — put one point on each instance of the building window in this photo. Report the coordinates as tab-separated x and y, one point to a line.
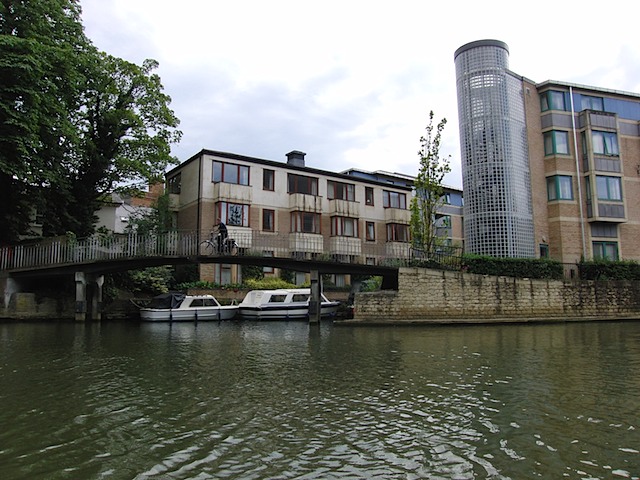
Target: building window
394	200
268	180
230	173
444	221
302	184
341	191
397	232
371	231
609	188
305	222
268	220
605	143
174	184
592	103
368	195
604	229
552	100
269	254
344	227
556	142
544	250
559	187
605	250
234	214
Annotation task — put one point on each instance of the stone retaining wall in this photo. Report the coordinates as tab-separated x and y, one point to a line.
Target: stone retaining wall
434	296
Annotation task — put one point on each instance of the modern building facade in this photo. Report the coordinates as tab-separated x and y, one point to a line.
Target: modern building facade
495	161
550	169
312	212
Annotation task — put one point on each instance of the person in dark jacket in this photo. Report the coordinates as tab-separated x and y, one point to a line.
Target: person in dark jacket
222	235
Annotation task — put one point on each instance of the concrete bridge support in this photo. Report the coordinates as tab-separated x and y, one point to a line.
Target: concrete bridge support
88	294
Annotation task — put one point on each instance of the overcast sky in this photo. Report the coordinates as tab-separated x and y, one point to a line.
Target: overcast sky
350	82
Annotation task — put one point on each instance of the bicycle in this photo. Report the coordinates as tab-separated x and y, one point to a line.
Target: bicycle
215	246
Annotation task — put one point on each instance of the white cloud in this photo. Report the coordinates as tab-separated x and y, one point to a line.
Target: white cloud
349	82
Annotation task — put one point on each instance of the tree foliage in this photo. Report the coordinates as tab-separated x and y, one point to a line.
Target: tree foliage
75	122
429	190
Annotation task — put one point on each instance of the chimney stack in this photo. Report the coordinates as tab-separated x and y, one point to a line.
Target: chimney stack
296	158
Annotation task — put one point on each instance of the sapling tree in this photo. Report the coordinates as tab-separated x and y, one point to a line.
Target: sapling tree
429	190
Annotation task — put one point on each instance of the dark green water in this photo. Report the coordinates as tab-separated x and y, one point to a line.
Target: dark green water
286	400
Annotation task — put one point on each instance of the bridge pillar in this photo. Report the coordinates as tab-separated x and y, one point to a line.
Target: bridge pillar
81	297
96	297
315	302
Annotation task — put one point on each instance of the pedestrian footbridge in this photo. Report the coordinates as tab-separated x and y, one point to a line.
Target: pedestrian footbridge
87	260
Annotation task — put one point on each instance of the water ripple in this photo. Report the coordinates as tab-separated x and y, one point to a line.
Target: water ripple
280	401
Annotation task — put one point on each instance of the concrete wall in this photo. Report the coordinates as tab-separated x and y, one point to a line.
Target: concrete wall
433	296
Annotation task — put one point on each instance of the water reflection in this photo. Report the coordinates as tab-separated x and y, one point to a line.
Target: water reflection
289	400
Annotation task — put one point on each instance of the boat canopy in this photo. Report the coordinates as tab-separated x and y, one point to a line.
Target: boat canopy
167	300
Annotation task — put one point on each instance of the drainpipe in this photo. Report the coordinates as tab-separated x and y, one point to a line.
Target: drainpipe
199	203
578	177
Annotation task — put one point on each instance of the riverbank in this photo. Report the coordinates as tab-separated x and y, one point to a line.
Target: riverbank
424	296
429	296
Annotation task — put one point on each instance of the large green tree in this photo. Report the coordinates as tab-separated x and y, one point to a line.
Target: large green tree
429	190
75	122
41	43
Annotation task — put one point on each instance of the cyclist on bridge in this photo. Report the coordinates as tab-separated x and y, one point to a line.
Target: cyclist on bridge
222	235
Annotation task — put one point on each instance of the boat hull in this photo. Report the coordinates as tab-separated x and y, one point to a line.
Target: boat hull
203	314
282	313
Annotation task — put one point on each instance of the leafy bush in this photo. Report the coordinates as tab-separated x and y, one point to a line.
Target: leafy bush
252	272
609	270
203	285
513	267
267	284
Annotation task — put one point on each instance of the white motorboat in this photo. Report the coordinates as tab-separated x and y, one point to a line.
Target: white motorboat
178	307
282	304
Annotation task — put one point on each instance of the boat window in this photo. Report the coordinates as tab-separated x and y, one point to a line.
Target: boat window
277	298
208	302
300	298
196	302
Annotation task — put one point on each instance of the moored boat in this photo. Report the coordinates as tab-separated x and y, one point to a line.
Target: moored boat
290	303
178	307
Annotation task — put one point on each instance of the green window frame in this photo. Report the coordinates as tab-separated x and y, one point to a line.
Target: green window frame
556	142
605	250
609	188
552	100
605	143
559	187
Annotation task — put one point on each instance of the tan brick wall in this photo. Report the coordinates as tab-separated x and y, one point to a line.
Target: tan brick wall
433	296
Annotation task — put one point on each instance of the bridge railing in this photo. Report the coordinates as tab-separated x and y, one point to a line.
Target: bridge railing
64	251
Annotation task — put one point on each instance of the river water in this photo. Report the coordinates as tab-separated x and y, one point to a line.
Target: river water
125	400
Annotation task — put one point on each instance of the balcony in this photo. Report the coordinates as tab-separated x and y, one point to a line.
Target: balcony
397	215
174	202
397	250
230	192
345	246
344	208
306	242
600	211
301	202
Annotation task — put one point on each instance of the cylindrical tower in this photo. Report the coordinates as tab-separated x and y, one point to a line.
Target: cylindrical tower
498	214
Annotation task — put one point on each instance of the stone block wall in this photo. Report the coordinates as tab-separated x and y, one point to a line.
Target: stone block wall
433	296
